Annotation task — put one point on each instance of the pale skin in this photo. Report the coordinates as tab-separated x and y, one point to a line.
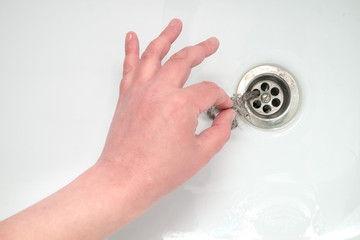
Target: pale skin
151	147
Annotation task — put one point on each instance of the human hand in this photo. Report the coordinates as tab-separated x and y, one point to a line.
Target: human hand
152	141
151	147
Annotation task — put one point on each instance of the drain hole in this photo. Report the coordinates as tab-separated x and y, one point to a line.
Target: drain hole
276	102
265	87
266	108
275	91
257	103
257	92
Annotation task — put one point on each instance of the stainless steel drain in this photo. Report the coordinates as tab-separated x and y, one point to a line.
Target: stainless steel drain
278	100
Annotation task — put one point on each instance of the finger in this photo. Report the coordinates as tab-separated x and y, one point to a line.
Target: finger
206	94
130	61
150	61
177	69
212	139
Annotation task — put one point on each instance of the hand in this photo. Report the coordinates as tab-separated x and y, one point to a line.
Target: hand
152	136
151	147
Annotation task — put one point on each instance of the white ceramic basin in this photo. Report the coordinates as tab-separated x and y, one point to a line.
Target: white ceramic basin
60	69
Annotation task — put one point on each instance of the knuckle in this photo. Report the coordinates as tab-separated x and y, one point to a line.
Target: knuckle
163	41
155	44
150	51
156	47
210	85
191	54
181	55
148	54
127	68
180	100
130	49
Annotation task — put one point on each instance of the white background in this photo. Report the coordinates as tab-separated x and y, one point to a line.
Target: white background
60	68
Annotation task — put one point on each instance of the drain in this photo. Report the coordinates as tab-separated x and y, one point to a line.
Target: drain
278	97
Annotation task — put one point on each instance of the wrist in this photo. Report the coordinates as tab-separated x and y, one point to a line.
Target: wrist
132	186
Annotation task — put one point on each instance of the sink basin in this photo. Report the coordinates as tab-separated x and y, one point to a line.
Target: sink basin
62	63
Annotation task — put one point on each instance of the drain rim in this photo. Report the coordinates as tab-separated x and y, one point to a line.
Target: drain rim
287	115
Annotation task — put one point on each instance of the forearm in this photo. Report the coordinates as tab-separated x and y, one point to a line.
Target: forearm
94	205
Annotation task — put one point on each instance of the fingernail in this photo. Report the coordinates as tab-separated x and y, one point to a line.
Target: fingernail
129	36
173	23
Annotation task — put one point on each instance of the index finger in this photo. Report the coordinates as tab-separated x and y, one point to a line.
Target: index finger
206	94
177	69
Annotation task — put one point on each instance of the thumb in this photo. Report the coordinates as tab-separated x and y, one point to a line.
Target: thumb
213	139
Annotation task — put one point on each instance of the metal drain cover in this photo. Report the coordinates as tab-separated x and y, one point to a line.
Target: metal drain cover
278	100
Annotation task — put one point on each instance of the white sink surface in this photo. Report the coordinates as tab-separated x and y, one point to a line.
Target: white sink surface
60	70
